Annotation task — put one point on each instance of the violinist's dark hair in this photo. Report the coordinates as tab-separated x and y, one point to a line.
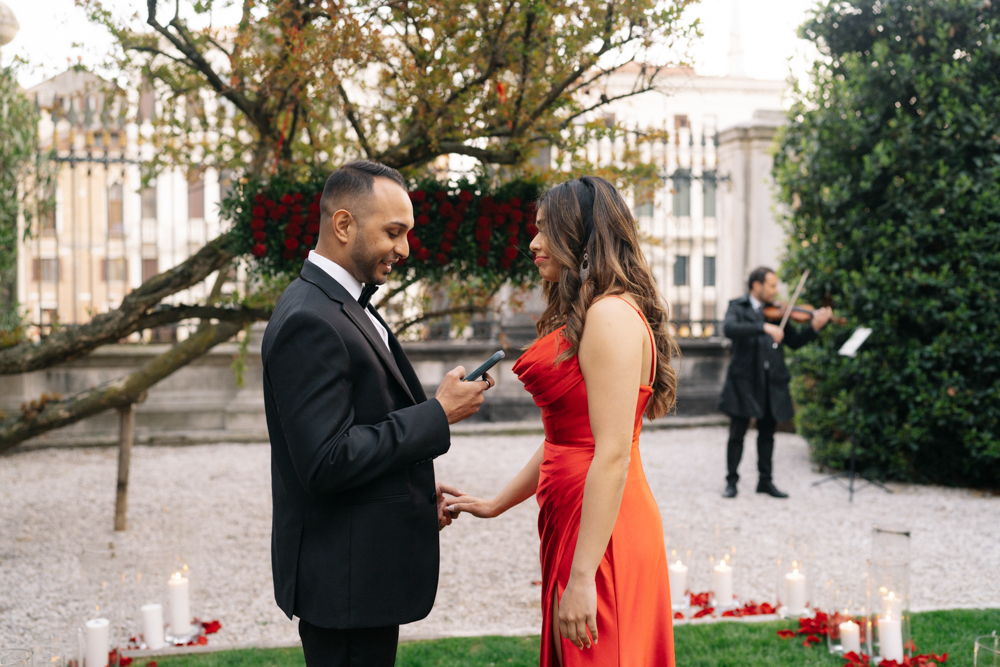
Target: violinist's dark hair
589	215
758	275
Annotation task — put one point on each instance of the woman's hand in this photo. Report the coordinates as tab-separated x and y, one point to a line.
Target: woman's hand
484	509
578	611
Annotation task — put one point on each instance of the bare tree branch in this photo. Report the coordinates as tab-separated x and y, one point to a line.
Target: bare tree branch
355	121
457	310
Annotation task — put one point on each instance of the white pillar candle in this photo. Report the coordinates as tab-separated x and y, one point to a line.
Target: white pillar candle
850	637
890	638
795	592
152	625
180	605
892	605
678	573
722	584
98	642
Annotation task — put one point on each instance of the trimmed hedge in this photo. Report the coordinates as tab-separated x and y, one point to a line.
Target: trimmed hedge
891	171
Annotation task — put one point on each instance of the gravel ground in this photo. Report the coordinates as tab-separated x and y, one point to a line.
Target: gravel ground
210	506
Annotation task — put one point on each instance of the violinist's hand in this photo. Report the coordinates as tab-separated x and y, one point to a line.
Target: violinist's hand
821	316
776	332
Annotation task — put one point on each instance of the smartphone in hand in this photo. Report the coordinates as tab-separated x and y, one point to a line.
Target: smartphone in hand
481	371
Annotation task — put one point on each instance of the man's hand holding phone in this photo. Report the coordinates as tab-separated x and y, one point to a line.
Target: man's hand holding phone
461	399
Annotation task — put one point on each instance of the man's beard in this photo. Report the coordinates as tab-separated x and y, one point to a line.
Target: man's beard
366	261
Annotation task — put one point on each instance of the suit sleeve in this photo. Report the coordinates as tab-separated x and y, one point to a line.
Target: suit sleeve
733	328
796	338
308	370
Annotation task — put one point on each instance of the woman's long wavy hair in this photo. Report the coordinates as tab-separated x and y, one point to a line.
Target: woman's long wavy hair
589	215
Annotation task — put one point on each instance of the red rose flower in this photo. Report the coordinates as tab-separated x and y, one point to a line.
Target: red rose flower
256	224
423	219
461	208
314	208
292	230
295	219
532	216
446	208
297	208
259	237
512	240
298	196
483	221
418	196
532	230
288	254
258	211
485	246
482	260
451	226
513	230
401	261
510	252
516	216
486	202
287	199
307	240
318	196
273	213
412	239
505	208
441	195
269	204
482	235
258	198
445	246
424	254
312	228
499	220
281	210
211	627
448	236
425	207
515	202
441	258
291	243
304	252
465	196
505	263
259	250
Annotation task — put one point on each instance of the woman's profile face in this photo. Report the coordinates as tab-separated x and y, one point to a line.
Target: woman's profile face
548	268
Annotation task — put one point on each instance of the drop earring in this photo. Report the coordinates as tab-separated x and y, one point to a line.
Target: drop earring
584	268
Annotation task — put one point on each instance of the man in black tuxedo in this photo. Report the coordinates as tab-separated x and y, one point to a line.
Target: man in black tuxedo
354	538
757	378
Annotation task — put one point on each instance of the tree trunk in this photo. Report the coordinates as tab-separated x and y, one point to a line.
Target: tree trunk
126	437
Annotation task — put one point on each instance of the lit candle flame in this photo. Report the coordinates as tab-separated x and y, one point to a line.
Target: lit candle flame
678	562
176	576
891	595
795	572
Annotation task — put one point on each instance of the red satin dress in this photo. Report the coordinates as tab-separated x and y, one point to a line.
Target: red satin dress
634	618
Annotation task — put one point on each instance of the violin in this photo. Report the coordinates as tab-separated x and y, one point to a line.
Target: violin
802	313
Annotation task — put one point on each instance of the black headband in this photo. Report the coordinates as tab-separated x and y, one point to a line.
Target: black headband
585	197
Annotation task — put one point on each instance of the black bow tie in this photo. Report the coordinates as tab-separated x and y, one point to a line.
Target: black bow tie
366	294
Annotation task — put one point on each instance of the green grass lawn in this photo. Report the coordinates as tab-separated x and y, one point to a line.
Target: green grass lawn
716	645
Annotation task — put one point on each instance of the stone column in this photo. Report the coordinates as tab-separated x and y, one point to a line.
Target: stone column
8	24
750	232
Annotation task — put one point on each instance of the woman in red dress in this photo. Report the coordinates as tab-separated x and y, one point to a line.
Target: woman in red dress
601	362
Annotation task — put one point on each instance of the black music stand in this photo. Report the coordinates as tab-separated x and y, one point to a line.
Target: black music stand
850	349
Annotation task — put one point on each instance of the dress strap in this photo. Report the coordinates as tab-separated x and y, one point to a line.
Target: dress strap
652	341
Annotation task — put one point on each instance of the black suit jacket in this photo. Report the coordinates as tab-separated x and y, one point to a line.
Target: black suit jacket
354	537
747	379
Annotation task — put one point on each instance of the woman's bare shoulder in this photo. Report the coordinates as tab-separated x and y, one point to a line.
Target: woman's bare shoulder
616	311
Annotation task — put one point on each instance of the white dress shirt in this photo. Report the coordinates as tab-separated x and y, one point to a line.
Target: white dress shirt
753	300
349	283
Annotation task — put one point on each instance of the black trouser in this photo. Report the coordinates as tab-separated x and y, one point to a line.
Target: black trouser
362	647
765	444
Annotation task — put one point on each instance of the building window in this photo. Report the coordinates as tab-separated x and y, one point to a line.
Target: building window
709	272
708	188
680	270
196	196
682	192
46	269
115	227
680	312
114	270
644	210
149	203
150	267
227	181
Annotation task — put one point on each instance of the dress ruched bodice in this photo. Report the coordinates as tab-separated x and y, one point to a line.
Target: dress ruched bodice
634	617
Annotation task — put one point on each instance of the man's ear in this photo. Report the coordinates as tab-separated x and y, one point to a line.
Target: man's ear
343	225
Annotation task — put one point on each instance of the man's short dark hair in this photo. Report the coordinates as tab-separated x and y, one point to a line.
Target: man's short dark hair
758	275
351	184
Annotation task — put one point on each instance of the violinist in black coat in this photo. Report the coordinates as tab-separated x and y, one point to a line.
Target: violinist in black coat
757	379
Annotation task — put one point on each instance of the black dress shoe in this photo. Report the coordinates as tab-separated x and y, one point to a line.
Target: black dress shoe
730	491
769	489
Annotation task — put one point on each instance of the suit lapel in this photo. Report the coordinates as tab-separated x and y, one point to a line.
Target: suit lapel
416	389
317	276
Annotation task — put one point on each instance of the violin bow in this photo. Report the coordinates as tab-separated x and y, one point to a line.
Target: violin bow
791	304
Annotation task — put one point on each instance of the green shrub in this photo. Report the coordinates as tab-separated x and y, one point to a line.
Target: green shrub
890	168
